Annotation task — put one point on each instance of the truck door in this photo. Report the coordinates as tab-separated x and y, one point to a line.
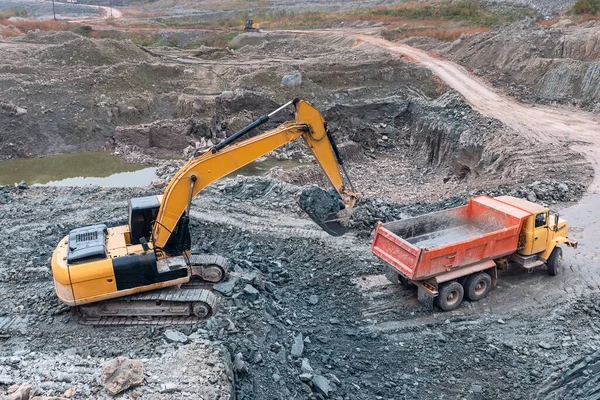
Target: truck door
540	232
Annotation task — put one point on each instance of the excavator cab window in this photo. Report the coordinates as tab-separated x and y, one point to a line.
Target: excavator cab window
142	211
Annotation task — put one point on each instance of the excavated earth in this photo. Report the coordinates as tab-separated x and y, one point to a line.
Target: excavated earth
557	64
303	315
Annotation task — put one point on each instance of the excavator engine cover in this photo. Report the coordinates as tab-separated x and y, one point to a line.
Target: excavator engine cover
326	209
87	243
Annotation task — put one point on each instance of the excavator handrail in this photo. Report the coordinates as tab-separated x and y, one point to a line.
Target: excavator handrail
214	164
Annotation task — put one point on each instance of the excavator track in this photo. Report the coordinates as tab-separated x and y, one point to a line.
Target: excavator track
207	268
192	302
170	306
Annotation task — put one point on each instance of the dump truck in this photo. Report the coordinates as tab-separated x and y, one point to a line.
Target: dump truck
456	253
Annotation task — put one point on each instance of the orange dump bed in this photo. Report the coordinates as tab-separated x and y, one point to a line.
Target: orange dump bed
432	244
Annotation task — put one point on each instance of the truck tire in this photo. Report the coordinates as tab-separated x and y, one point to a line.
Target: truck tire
554	261
405	282
478	285
392	275
450	295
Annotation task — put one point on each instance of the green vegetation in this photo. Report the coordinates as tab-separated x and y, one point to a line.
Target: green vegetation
586	7
469	11
14	12
462	10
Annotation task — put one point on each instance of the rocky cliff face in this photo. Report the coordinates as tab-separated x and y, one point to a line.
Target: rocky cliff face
557	64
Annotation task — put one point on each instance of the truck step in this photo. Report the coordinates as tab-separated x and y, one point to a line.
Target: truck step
534	264
527	261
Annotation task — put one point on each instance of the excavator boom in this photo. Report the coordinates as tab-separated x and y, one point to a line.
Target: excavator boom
220	160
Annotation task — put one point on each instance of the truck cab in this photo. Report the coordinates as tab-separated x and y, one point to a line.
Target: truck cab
541	232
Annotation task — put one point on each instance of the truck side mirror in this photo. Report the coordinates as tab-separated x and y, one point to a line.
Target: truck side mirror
556	222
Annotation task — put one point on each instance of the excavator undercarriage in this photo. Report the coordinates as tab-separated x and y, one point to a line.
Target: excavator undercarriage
184	304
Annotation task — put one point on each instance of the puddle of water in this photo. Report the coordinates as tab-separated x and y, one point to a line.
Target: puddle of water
122	179
79	169
102	169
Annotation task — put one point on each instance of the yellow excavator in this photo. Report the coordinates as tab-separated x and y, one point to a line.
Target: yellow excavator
144	272
252	26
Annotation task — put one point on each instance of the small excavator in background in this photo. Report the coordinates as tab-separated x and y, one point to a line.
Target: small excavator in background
251	26
144	272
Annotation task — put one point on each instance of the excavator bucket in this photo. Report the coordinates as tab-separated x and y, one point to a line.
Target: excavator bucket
326	209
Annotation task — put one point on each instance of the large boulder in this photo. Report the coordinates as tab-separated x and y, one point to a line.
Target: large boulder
121	374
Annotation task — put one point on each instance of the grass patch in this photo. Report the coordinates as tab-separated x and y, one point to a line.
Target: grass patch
443	34
586	7
48	25
14	12
582	7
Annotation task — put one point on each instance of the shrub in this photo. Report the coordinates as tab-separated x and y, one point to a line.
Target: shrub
586	7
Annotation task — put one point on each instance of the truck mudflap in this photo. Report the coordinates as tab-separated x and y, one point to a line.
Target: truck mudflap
426	293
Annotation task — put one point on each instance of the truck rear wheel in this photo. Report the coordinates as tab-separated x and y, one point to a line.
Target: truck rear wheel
478	285
450	295
392	275
554	261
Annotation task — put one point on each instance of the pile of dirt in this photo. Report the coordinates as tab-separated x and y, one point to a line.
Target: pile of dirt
576	376
91	52
556	64
75	91
47	37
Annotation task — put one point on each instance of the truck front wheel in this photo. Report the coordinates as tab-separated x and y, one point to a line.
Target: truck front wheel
478	285
554	261
450	295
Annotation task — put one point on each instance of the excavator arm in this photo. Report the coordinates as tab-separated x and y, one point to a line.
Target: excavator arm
227	157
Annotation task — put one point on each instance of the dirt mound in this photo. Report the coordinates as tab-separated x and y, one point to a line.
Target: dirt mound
169	135
539	64
91	52
48	37
212	53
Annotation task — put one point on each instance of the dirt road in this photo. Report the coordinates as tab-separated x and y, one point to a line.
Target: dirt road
107	12
110	12
563	127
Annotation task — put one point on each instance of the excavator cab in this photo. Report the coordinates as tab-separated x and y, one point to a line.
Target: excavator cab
142	212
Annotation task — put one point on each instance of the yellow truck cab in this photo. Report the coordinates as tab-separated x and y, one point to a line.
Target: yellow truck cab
541	234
